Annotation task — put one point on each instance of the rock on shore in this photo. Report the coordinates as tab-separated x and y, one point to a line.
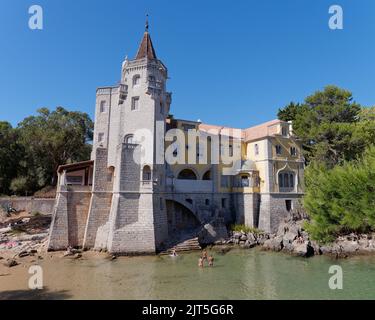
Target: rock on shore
293	239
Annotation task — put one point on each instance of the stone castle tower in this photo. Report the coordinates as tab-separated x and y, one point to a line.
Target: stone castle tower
137	220
126	210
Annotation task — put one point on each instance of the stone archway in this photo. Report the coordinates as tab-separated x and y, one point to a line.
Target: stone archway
181	220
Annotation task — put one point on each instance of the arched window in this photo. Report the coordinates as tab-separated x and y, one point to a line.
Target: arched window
207	175
286	181
129	139
146	174
187	174
136	80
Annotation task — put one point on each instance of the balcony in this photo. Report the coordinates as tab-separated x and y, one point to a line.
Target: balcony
181	185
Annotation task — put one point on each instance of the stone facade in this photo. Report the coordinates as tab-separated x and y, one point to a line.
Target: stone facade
126	201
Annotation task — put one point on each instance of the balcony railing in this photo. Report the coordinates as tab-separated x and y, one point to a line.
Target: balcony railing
244	183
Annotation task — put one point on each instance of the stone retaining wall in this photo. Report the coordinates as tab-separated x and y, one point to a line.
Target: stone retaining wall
29	204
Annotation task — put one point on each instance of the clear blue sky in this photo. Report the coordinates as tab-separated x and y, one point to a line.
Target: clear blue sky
230	62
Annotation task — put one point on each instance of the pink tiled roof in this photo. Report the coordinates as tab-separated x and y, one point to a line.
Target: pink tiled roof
261	131
253	133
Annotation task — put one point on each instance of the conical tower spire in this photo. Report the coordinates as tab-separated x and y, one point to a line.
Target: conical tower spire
146	49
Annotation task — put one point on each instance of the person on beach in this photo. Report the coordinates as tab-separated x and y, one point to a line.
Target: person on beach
210	261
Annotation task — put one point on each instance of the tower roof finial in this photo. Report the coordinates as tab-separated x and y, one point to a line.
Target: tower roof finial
146	26
146	48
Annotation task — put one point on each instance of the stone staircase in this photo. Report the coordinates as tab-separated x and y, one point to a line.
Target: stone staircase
187	245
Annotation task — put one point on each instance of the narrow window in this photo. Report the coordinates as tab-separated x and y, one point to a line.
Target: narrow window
231	150
135	103
284	131
207	202
136	80
102	106
288	205
291	180
293	151
223	203
161	204
286	180
161	108
256	147
278	149
146	173
281	180
100	137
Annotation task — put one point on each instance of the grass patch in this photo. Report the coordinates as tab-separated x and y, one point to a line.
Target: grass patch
244	228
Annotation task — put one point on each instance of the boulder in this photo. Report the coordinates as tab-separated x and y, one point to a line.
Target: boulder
303	249
251	237
237	235
250	243
316	247
10	263
349	246
287	246
275	243
283	228
243	237
213	231
23	254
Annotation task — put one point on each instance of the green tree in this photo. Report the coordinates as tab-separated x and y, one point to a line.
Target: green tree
10	155
50	139
341	200
290	112
328	124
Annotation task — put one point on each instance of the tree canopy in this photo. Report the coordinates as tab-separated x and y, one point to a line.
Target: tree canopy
332	127
34	150
338	138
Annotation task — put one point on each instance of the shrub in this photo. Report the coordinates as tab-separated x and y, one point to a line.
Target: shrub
341	200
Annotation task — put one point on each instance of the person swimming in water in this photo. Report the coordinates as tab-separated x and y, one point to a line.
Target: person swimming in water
174	253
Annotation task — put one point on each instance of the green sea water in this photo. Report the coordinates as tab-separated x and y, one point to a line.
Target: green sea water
238	274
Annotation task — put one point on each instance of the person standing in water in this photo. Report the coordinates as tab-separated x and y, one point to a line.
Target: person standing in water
204	255
200	263
210	261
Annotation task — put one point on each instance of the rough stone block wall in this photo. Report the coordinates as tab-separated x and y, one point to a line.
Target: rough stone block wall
130	169
30	204
160	220
130	236
246	206
100	206
132	213
273	210
78	208
101	198
58	234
